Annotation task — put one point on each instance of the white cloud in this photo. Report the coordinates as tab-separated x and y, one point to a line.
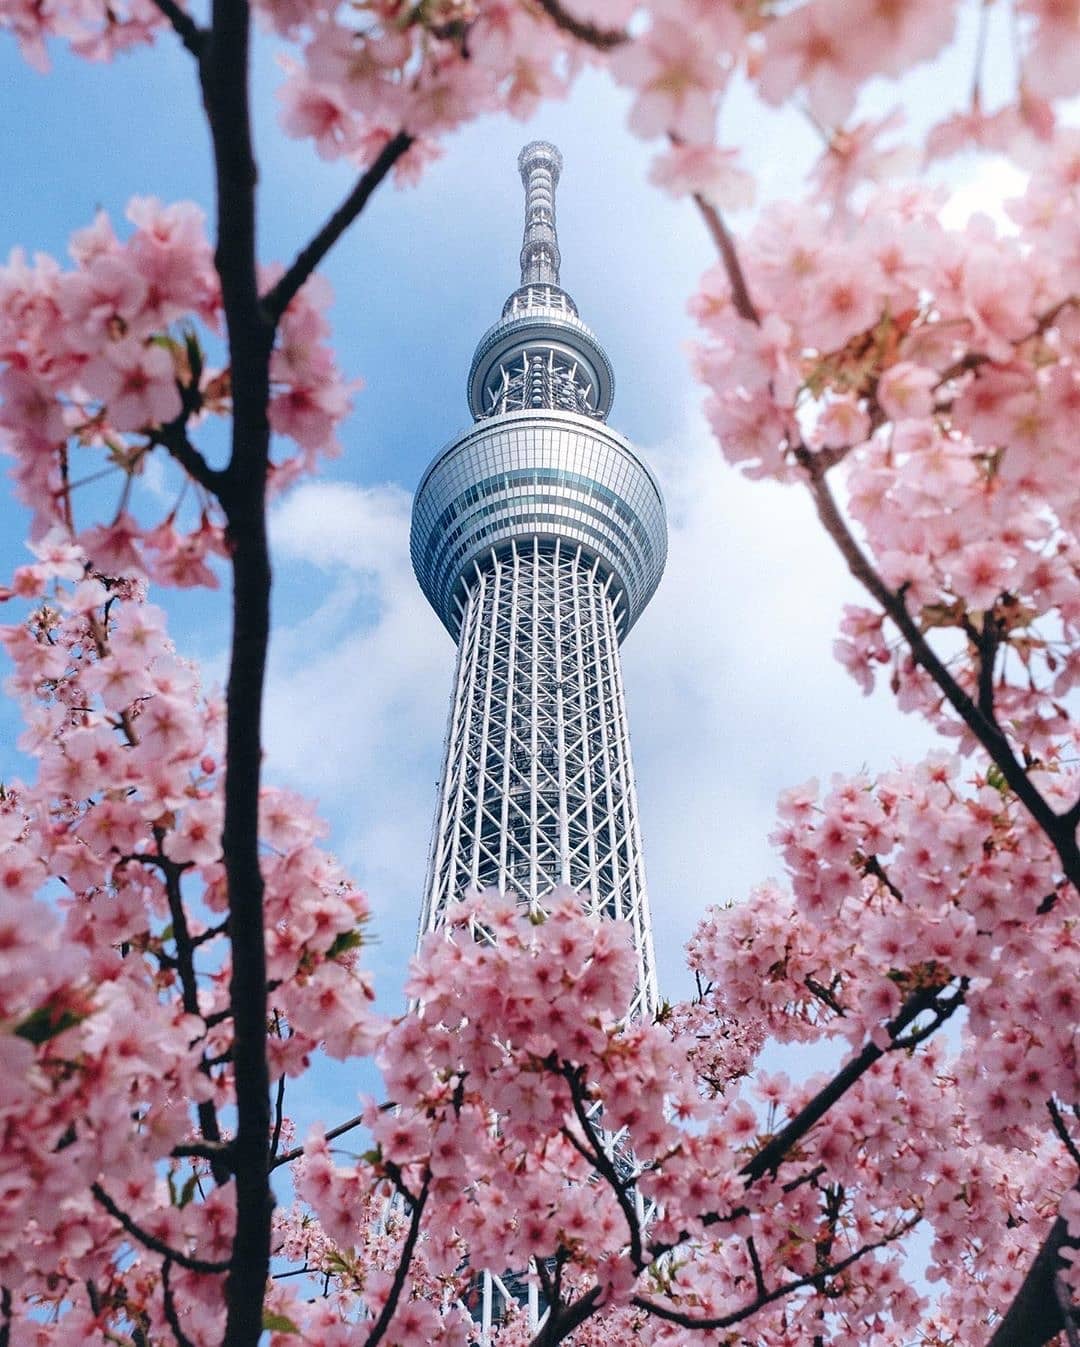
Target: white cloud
357	694
732	689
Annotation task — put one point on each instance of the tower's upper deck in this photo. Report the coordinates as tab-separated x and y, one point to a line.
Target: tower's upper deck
540	462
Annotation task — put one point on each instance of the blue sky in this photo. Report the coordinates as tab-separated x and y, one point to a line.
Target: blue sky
732	690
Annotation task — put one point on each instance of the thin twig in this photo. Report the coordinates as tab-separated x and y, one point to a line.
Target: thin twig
603	39
777	1293
740	291
279	296
574	1079
171	1316
287	1157
151	1241
189	986
201	1150
755	1263
279	1117
382	1323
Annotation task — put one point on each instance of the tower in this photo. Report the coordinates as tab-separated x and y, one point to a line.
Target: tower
538	537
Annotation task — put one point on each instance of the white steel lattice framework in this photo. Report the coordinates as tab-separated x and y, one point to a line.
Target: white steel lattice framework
538	788
539	536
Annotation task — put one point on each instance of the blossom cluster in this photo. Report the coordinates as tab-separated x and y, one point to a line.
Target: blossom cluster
354	77
114	1003
941	367
104	363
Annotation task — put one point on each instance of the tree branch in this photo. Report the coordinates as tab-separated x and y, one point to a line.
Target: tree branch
740	292
189	987
279	296
287	1157
602	1161
777	1293
151	1241
279	1118
1057	829
191	35
242	492
986	646
171	1316
603	39
173	437
572	1316
382	1323
1062	1130
769	1158
1035	1316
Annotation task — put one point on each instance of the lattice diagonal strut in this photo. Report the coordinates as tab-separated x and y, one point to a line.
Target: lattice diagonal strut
538	786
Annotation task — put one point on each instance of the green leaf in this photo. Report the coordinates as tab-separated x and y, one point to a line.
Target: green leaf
195	356
346	941
188	1190
278	1323
45	1023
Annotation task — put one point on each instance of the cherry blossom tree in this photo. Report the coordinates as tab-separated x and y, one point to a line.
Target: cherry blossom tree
176	944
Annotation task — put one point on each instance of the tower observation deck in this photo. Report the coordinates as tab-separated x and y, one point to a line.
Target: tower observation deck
538	536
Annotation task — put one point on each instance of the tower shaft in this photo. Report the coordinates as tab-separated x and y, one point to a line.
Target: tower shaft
539	537
538	786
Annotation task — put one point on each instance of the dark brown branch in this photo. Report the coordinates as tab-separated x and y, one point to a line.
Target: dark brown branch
279	1118
546	1285
873	866
1058	832
151	1241
279	296
1062	1130
770	1157
242	492
986	646
174	438
5	1322
191	35
574	1077
1035	1316
202	1150
189	989
382	1323
824	995
718	231
556	1328
777	1293
603	39
755	1263
287	1157
171	1316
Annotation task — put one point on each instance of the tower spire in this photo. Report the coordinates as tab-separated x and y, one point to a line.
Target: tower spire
540	164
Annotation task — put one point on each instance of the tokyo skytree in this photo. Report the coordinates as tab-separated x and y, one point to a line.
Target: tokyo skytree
538	536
